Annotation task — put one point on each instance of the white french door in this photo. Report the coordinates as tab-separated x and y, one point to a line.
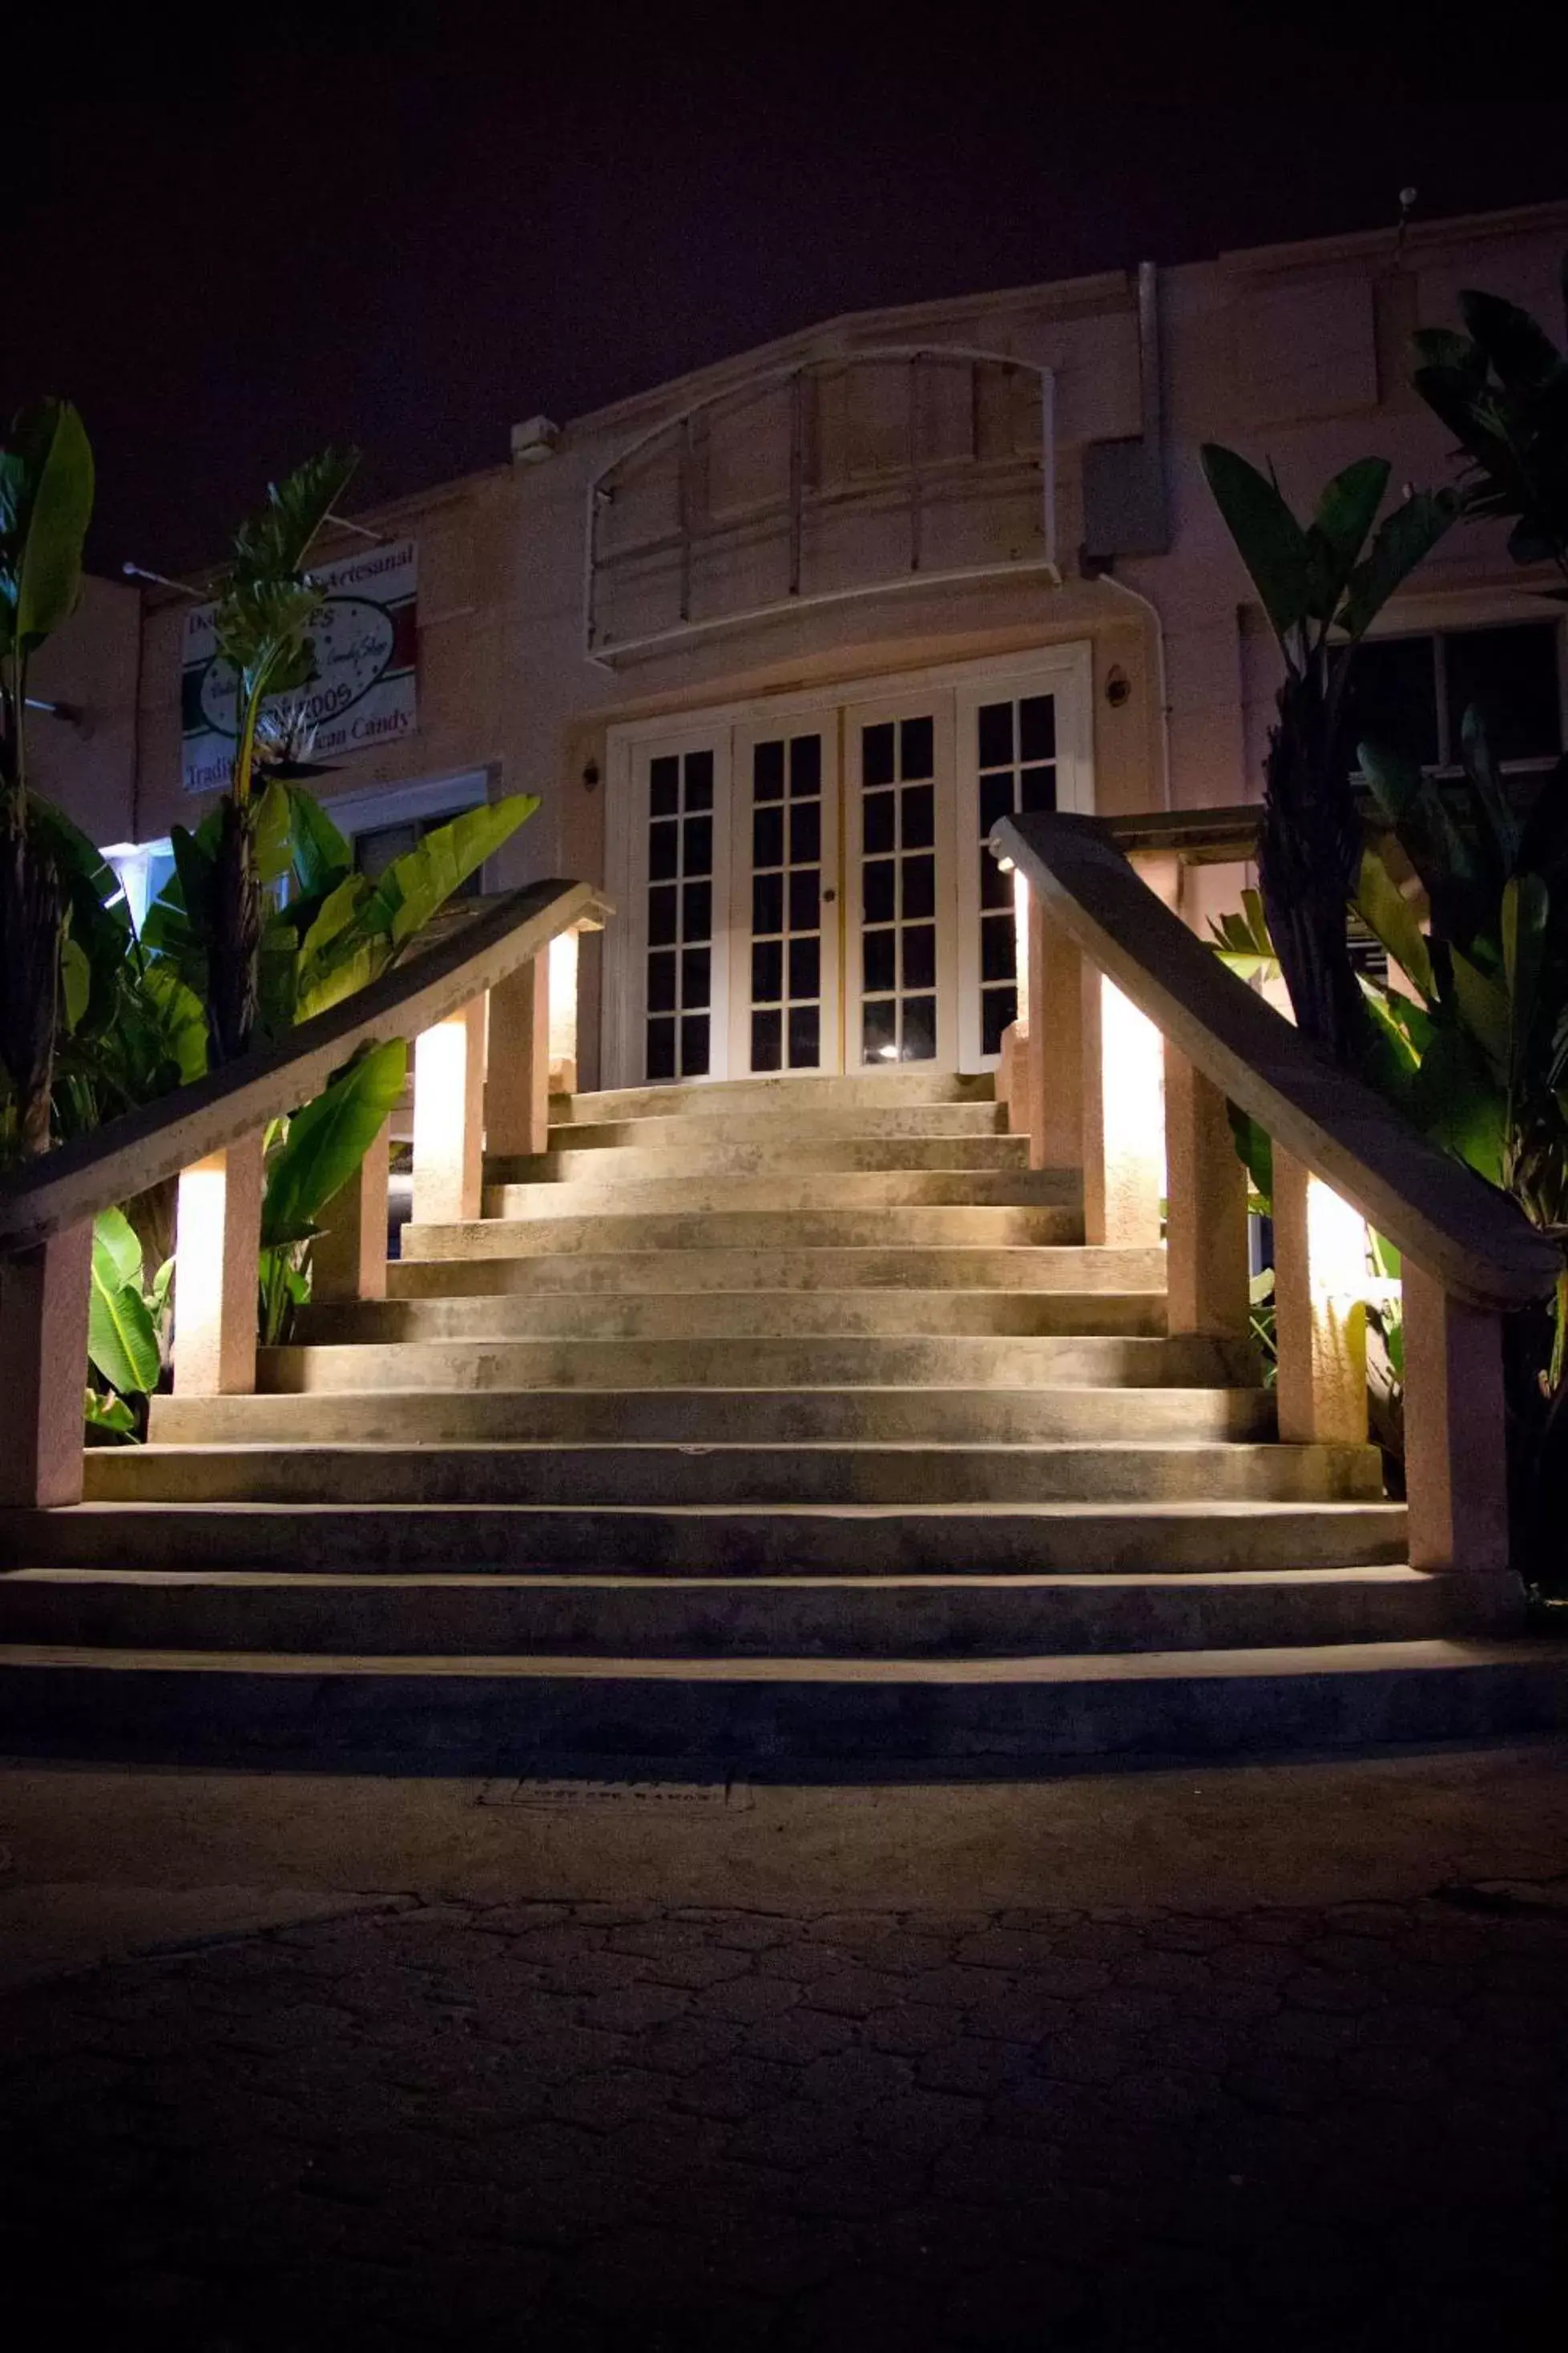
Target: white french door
802	883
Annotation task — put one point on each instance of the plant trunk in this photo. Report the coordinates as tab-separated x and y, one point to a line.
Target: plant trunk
1308	861
236	948
32	929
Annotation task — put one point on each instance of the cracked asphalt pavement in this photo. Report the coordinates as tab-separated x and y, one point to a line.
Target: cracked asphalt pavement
586	2125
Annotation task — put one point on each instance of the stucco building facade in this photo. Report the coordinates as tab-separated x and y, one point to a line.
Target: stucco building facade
778	642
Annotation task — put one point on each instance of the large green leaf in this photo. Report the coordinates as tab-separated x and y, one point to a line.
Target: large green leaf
1458	1102
1484	1008
54	442
1388	915
1520	351
274	835
1405	536
1268	538
415	885
1526	924
327	1141
121	1339
321	855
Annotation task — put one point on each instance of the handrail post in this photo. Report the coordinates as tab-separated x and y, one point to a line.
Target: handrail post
1456	1451
1206	1213
1053	1045
448	1117
517	1088
1093	1084
1320	1311
43	1346
218	1236
347	1256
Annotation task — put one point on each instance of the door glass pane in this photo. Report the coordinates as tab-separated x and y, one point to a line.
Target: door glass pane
1015	755
898	890
787	905
679	914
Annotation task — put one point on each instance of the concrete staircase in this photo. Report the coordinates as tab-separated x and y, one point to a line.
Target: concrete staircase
786	1418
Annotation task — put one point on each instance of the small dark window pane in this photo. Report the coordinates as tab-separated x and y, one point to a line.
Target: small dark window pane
693	1045
767	972
767	1041
661	983
697	912
1510	675
920	956
804	900
876	755
919	1029
696	970
806	765
662	787
879	1029
917	743
661	1050
880	885
999	948
878	970
767	836
767	772
996	734
700	780
806	833
918	816
767	903
996	888
699	852
919	888
804	1033
663	848
1392	699
878	822
805	967
1038	727
998	1007
1038	788
996	800
662	916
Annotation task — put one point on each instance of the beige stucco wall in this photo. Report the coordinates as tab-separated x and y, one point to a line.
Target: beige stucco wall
88	764
1295	355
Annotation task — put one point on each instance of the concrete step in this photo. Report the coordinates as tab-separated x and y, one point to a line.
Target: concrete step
797	1617
801	1097
763	1315
491	1713
676	1417
732	1475
762	1125
644	1272
787	1153
739	1362
704	1540
697	1187
615	1227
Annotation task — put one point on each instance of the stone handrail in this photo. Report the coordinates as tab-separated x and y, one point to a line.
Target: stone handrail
474	1000
158	1139
1135	1041
1437	1212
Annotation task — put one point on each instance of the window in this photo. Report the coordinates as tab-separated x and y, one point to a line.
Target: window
679	915
786	902
1015	755
1411	694
381	846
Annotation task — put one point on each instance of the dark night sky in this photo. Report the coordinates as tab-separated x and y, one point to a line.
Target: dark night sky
244	235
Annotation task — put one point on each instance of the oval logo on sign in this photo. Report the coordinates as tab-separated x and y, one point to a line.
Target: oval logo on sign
352	639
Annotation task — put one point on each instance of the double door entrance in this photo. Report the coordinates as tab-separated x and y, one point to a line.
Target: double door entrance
801	884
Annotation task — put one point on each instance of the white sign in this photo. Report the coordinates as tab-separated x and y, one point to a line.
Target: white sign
363	694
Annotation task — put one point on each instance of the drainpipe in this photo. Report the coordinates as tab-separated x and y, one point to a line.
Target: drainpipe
1126	499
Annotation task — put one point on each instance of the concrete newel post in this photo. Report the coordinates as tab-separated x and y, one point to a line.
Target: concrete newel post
1053	1045
43	1346
1320	1311
1456	1449
517	1090
1205	1214
217	1234
348	1257
448	1117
